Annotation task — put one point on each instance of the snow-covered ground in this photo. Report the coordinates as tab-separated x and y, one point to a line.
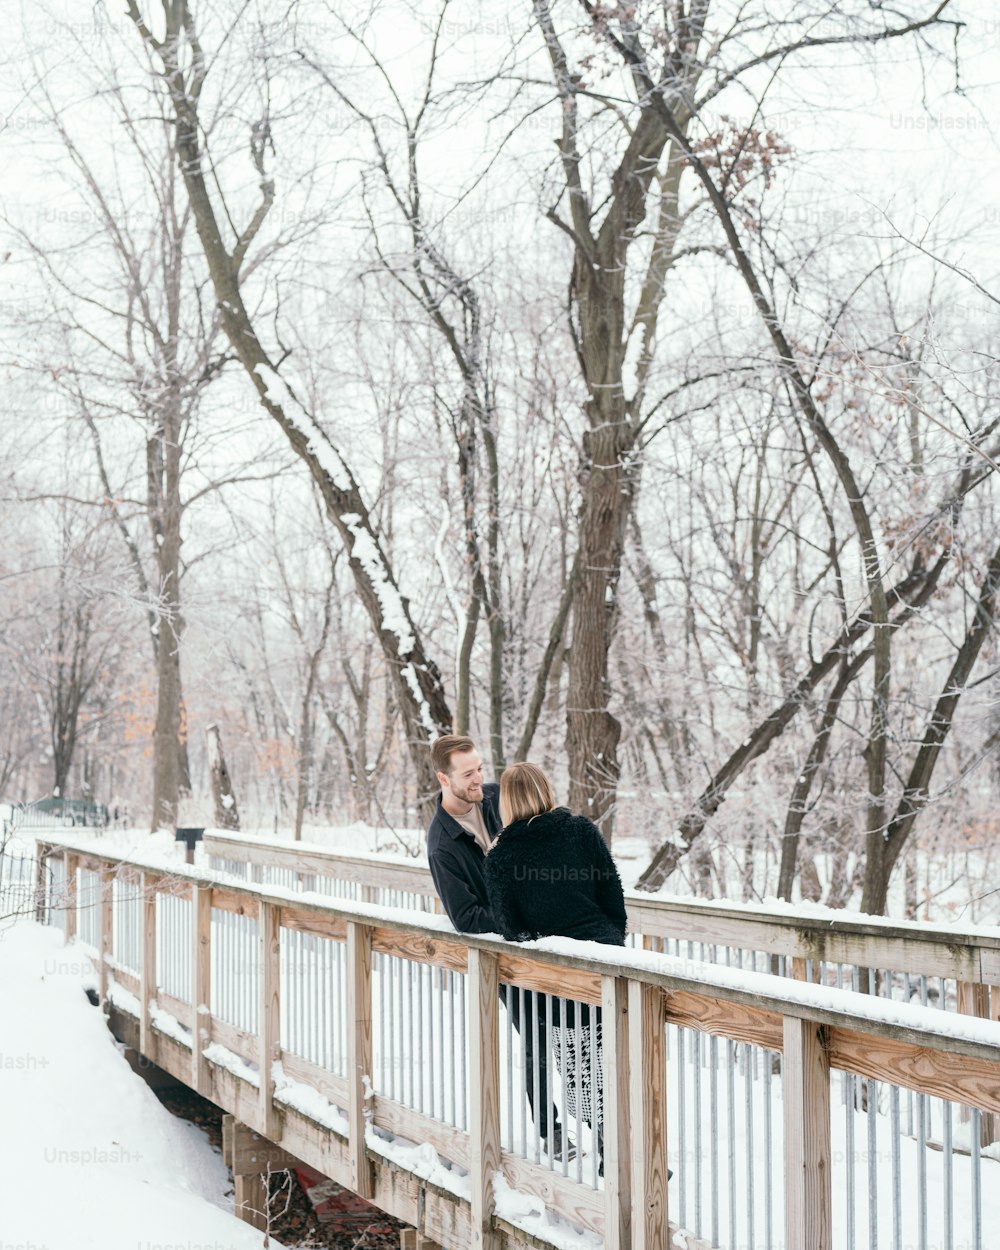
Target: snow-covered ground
88	1155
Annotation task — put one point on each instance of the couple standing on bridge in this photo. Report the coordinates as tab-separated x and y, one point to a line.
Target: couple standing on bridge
505	859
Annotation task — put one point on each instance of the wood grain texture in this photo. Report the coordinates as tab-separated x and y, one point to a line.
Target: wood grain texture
450	1142
617	1122
584	987
107	922
329	1084
420	948
579	1204
989	967
648	1114
299	918
928	1070
484	1074
269	1023
237	1040
238	904
181	1011
359	1049
433	1212
127	980
147	977
901	947
737	1021
248	1152
201	981
168	884
806	1097
976	1000
250	1200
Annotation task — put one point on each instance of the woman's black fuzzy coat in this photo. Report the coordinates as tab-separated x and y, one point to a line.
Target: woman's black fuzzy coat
553	875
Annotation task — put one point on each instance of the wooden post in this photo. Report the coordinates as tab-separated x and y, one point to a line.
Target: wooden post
42	852
201	981
252	1159
107	885
250	1199
806	1091
617	1132
359	1051
975	999
269	1039
227	814
70	862
147	980
648	1114
246	1151
799	969
484	1074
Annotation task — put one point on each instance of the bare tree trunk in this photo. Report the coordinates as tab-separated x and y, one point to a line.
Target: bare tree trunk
602	334
592	731
491	585
306	729
916	792
227	814
72	675
163	478
166	731
156	632
798	804
418	687
305	746
910	887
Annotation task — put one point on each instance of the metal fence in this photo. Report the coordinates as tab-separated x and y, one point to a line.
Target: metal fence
18	883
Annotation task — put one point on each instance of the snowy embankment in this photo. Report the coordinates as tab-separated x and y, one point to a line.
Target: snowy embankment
88	1155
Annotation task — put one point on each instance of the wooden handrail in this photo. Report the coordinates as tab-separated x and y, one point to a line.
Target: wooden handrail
970	956
430	939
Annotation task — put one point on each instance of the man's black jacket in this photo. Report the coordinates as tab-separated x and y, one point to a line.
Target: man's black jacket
456	864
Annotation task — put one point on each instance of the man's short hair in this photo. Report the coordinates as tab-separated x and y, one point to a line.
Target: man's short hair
443	748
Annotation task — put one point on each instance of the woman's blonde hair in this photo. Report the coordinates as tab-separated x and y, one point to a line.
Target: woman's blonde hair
525	791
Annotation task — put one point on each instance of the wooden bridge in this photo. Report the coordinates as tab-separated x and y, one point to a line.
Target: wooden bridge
371	1043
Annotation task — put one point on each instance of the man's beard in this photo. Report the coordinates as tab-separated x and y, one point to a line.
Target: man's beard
474	794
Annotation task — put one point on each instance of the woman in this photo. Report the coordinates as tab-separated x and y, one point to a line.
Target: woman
550	874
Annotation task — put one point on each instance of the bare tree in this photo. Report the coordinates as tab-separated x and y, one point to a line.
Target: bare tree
136	350
181	68
227	813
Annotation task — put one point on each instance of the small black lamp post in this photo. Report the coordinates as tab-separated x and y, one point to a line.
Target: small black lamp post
189	836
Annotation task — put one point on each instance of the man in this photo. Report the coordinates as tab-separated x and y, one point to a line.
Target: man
465	824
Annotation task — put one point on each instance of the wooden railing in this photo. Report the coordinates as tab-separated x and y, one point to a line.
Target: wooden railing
640	992
799	936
